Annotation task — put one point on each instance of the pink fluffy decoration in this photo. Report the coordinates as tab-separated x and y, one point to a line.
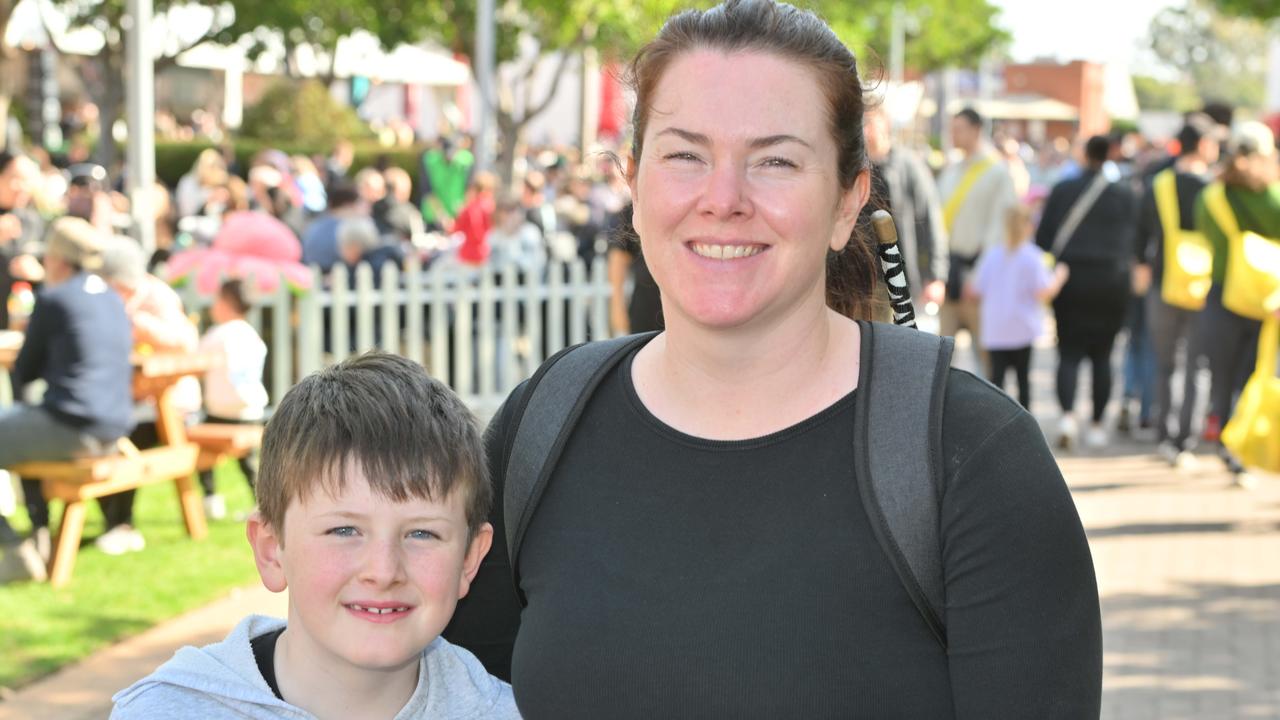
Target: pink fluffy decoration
251	246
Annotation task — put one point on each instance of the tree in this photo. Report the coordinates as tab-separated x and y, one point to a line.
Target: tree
1156	94
105	75
7	73
1222	58
320	25
1259	9
301	115
946	33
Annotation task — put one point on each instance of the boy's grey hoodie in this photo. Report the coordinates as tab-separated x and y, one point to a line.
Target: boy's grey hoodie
222	681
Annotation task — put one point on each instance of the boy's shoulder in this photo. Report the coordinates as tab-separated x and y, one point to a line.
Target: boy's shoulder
220	680
454	684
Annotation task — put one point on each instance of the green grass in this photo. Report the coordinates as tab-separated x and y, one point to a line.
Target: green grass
110	598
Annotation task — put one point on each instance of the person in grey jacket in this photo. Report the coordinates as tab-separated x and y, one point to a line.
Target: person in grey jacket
902	184
372	498
223	680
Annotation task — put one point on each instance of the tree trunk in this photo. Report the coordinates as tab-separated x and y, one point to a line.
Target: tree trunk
110	103
511	135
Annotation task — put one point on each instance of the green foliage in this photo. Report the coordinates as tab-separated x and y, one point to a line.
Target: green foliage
939	33
1155	94
304	114
1222	58
175	159
1260	9
111	598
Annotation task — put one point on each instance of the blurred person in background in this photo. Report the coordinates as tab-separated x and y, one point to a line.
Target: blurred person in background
901	183
320	239
977	193
1090	309
233	390
21	228
78	343
1252	194
1170	325
444	177
475	220
196	188
158	324
310	184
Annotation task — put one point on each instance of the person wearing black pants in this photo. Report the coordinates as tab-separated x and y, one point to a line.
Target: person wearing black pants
1091	308
1019	359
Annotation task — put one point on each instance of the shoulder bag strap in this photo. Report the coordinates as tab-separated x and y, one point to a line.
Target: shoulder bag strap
1076	214
555	398
898	456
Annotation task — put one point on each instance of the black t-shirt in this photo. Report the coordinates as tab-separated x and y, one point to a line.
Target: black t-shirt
672	576
264	654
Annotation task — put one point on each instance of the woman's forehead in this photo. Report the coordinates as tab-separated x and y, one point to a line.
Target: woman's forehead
743	95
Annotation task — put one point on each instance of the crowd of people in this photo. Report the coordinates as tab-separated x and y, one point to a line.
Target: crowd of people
1125	242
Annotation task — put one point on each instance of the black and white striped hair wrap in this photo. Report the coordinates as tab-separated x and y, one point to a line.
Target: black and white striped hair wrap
895	270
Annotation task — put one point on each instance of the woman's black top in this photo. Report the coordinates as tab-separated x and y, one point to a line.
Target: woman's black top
676	577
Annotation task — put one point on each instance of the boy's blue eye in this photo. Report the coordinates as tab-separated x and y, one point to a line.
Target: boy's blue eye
344	531
423	535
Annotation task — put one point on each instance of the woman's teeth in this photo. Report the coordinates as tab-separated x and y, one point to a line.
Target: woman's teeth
726	252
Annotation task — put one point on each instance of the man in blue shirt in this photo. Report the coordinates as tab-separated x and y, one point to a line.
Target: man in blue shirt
78	341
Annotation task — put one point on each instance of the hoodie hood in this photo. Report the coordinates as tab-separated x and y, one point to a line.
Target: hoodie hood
222	680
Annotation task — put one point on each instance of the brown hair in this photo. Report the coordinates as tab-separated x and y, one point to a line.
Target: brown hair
411	435
776	28
232	293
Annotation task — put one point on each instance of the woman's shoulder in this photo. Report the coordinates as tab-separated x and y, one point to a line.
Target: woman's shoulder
975	413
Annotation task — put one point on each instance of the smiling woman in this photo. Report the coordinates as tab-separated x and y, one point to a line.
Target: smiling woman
695	544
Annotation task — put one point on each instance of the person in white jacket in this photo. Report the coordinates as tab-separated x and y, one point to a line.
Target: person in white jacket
233	390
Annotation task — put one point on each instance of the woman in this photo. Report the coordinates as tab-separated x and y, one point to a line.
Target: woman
1230	340
700	549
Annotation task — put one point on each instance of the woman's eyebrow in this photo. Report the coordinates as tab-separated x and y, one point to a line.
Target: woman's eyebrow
754	144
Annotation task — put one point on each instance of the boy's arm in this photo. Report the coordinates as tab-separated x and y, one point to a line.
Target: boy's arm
487	619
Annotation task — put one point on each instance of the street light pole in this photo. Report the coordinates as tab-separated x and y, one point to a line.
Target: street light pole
483	67
141	116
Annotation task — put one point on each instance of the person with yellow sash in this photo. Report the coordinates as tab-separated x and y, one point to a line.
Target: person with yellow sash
1173	264
1248	198
977	193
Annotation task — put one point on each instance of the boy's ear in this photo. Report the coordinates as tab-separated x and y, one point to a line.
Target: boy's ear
265	542
476	551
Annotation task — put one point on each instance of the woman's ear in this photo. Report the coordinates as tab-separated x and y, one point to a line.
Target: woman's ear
850	206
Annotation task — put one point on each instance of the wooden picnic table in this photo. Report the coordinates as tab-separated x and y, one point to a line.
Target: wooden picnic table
155	376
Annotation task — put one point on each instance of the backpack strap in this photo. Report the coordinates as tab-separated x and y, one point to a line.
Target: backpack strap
898	456
555	398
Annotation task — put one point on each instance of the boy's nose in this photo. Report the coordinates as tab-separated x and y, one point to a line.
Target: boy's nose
383	563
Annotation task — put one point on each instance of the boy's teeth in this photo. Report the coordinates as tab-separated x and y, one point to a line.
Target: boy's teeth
379	611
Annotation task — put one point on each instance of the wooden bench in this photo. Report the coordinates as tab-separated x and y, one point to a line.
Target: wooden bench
77	481
219	440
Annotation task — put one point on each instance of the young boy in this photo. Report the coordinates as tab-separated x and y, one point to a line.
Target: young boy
372	499
233	391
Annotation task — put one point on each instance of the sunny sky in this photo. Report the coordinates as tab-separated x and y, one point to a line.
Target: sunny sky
1103	30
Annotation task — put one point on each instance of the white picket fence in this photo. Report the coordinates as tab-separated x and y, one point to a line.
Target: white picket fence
482	331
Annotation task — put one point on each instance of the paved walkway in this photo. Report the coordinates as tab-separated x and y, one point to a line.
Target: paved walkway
1188	570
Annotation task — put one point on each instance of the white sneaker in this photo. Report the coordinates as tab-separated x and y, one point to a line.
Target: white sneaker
215	506
1169	452
120	540
1096	436
1244	481
1067	432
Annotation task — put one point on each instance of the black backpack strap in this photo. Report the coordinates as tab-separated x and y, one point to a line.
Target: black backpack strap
898	456
553	401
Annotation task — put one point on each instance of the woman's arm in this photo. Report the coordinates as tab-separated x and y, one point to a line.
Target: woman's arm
488	618
1023	622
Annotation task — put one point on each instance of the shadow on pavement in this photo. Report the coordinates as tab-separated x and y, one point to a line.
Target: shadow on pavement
1204	651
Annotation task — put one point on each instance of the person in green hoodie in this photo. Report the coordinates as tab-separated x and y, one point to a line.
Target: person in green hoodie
1250	180
444	176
